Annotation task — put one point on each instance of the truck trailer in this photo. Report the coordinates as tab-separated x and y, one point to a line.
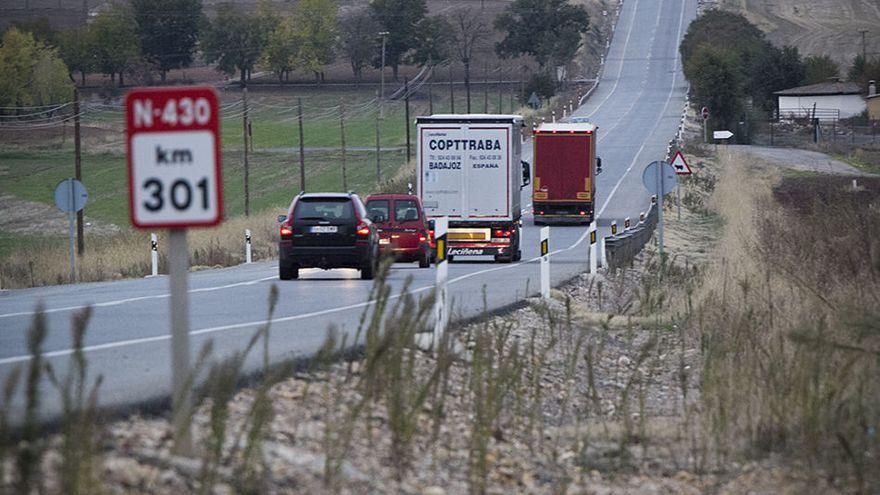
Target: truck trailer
566	165
470	170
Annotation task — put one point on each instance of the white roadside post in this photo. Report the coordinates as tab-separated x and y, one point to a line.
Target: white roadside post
441	303
614	227
594	260
247	246
175	182
603	256
154	254
545	262
626	224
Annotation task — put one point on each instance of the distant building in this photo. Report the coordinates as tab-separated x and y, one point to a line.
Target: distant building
825	101
873	102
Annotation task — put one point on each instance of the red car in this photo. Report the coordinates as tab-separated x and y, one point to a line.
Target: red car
403	231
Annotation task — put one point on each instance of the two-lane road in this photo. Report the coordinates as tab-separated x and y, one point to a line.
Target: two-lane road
637	108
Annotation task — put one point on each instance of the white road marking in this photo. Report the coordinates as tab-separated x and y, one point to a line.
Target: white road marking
117	302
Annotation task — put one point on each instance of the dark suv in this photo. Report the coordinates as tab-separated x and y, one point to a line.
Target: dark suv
327	230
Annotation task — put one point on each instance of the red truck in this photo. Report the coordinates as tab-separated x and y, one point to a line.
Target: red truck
565	168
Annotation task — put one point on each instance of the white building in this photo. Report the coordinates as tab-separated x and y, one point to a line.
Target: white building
825	101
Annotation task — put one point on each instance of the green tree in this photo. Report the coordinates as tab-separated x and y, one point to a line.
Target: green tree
51	82
433	43
31	73
773	70
725	30
864	70
281	49
75	48
548	30
359	32
316	29
400	19
168	31
235	41
717	83
17	54
820	68
114	42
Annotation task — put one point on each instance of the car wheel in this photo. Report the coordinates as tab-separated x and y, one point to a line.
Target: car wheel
518	255
288	272
425	259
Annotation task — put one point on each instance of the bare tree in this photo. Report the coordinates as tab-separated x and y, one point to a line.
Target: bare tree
470	31
358	41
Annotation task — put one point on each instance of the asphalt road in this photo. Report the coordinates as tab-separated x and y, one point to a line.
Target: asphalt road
637	107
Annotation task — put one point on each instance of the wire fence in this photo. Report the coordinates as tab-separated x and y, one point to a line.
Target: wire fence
793	133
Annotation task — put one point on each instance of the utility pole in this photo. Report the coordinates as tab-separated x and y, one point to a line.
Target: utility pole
451	92
500	89
864	45
342	141
247	192
77	166
406	114
302	150
485	88
378	154
384	35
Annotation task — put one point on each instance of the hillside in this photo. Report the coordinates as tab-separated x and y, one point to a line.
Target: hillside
816	27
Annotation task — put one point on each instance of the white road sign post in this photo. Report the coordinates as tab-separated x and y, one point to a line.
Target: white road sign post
71	197
175	182
441	304
659	178
545	262
154	255
594	260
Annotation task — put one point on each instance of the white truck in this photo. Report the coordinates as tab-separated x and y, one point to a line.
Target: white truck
469	170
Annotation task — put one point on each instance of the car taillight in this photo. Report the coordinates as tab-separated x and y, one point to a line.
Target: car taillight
286	231
363	230
431	235
501	233
423	237
583	213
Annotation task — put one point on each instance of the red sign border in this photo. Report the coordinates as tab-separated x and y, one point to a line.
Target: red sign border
686	166
213	125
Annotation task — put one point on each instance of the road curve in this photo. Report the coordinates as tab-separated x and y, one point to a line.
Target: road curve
637	107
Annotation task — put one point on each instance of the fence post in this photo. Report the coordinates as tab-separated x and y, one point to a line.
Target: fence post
247	246
545	262
154	254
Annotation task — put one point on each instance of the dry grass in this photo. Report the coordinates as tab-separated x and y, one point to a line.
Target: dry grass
127	255
787	317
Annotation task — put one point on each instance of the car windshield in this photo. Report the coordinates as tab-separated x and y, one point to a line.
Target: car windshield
324	209
377	207
405	210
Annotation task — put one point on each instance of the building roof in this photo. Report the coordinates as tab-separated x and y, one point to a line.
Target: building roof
823	89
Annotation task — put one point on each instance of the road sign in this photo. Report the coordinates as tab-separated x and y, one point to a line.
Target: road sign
70	195
722	134
680	164
654	184
173	150
534	101
704	112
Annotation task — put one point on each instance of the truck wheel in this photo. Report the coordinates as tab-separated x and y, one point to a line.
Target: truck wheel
288	272
503	259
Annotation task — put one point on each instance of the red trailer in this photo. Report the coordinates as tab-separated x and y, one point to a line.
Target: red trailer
565	167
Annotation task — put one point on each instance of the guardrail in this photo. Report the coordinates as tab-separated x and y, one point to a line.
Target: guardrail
622	248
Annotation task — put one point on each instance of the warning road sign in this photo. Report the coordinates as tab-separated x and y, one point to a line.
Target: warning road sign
680	164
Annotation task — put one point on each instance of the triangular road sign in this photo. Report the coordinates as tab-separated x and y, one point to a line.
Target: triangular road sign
680	165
